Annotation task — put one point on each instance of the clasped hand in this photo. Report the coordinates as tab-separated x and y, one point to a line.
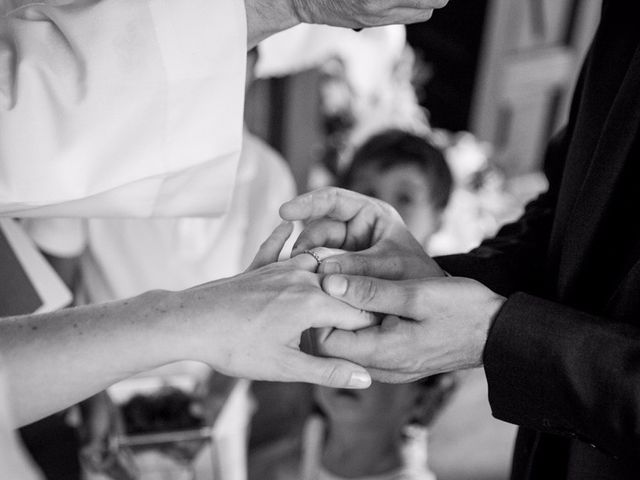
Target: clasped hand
430	323
251	325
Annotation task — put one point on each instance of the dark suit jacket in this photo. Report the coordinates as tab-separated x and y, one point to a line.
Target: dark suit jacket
563	355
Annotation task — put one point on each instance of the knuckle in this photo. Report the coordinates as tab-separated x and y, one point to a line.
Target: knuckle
358	264
273	270
425	15
302	243
406	365
368	6
297	278
386	210
330	375
414	301
366	291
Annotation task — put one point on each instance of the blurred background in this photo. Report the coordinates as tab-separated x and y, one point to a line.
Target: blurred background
457	110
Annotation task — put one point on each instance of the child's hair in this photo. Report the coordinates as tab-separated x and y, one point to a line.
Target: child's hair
395	147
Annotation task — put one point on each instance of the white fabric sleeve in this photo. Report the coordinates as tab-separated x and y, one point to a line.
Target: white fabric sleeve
120	107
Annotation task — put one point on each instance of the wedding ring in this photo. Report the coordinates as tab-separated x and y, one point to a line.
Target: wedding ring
314	255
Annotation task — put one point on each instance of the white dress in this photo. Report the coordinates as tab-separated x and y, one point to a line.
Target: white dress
128	108
124	257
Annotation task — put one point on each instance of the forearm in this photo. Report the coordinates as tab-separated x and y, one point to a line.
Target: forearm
55	360
558	370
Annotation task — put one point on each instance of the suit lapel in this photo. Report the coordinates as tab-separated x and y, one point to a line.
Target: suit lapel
586	219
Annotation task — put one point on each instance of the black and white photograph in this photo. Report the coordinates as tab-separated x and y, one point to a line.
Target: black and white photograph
319	240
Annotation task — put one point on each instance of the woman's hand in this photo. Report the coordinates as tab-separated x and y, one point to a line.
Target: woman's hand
257	319
248	326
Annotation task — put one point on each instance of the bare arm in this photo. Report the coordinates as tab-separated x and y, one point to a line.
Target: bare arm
54	360
249	325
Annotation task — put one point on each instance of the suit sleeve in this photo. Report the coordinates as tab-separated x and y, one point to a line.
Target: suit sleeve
514	259
562	371
549	367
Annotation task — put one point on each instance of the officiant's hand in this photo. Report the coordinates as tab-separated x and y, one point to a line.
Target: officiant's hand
266	17
259	319
365	13
379	243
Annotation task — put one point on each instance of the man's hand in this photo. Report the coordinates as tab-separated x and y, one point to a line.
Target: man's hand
266	17
382	245
434	325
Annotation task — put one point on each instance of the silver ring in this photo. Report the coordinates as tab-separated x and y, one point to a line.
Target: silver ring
314	255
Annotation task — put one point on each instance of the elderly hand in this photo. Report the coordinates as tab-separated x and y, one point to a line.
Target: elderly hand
372	230
259	319
266	17
365	13
434	325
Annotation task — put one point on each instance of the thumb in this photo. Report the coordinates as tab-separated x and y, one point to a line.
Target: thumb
372	294
330	372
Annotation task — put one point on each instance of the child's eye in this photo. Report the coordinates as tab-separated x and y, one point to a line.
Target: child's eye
404	199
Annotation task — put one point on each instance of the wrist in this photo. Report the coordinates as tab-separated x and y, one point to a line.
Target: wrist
159	320
191	323
267	17
494	305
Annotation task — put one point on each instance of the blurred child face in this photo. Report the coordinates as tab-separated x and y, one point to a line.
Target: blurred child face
385	407
405	187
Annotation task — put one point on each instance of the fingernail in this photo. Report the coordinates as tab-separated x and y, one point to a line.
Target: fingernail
331	267
359	380
336	285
